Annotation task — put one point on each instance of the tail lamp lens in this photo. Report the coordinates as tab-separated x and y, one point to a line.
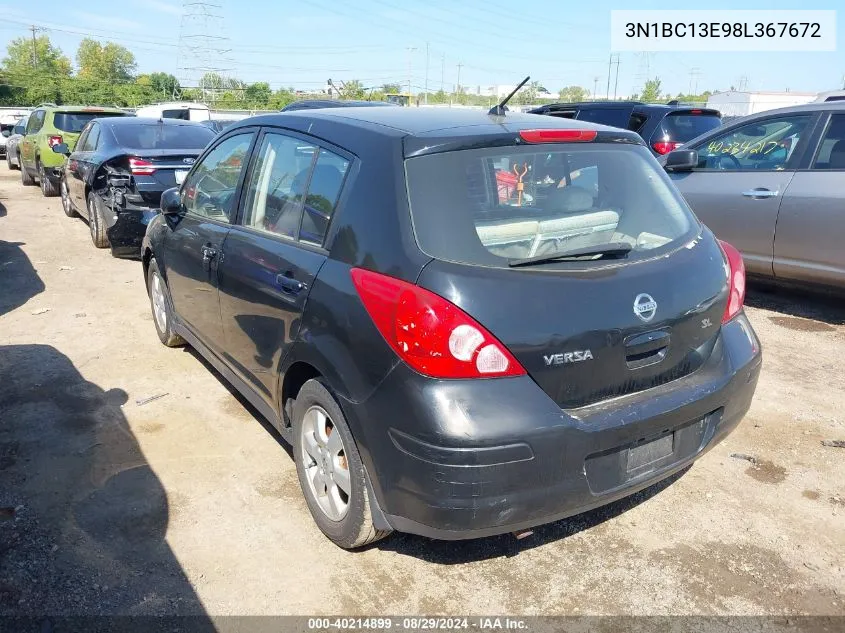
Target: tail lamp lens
432	335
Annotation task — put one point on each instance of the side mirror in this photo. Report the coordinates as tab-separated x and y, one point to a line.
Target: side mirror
171	202
681	160
61	148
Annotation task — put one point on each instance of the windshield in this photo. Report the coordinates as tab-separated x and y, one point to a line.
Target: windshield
573	196
159	136
75	121
681	127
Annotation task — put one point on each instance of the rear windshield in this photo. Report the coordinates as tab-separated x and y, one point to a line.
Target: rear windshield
155	136
467	206
75	121
685	127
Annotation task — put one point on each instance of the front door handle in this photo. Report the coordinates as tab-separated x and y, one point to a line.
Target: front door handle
760	193
208	253
290	285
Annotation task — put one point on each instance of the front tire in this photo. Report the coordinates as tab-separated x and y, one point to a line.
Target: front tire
49	188
161	306
330	470
95	221
67	204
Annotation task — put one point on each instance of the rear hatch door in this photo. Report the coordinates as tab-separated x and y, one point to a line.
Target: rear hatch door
592	327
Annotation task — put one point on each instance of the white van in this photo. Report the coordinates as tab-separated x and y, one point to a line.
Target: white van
177	110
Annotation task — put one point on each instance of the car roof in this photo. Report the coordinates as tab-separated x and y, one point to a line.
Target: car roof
421	121
815	106
306	104
85	109
138	120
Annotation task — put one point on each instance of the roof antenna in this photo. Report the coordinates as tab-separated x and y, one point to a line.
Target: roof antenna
499	110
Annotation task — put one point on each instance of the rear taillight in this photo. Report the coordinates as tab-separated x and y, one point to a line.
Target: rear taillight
432	335
54	140
141	167
735	269
557	136
664	147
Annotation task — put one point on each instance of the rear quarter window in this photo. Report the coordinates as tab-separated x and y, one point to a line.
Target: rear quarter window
573	196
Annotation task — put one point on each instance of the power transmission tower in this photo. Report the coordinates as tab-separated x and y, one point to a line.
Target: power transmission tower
458	90
203	46
426	73
693	75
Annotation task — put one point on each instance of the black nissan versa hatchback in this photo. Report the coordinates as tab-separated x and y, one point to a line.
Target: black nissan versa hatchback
465	325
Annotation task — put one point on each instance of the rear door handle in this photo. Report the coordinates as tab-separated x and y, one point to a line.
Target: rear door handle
760	193
290	285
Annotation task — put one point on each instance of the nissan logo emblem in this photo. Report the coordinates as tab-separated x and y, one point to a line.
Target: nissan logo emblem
645	307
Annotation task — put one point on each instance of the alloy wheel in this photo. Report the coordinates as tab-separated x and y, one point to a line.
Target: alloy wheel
159	302
324	459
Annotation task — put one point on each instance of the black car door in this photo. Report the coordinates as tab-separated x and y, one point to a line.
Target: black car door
273	254
193	248
79	165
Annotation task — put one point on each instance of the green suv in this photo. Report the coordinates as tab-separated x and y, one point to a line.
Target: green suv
50	125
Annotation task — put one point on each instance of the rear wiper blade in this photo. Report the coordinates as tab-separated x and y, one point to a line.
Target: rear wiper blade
615	249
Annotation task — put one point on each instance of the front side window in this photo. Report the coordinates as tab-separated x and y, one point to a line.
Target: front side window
486	206
209	189
83	139
20	126
35	122
90	137
831	154
768	144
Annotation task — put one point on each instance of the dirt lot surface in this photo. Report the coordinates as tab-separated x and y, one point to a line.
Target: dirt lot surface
189	503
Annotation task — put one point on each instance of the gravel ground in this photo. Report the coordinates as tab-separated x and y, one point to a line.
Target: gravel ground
189	503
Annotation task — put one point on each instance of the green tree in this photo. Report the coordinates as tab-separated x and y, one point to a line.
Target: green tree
651	91
353	89
164	84
571	94
25	57
391	88
258	95
108	62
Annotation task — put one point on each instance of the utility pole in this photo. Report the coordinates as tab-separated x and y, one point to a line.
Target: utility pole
458	90
595	86
426	73
616	80
34	28
411	49
609	64
442	70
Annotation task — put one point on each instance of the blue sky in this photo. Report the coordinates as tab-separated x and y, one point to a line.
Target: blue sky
302	43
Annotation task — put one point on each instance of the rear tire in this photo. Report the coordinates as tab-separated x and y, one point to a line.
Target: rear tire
95	221
49	188
161	306
327	461
67	204
26	178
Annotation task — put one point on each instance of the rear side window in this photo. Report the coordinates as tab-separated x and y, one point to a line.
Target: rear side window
467	206
831	153
75	121
615	117
681	127
89	139
766	144
155	136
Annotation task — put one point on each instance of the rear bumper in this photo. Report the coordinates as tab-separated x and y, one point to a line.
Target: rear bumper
126	229
468	459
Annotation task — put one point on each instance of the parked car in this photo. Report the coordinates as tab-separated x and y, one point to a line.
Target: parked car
13	159
50	125
448	358
663	127
118	170
184	110
773	184
313	104
5	133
